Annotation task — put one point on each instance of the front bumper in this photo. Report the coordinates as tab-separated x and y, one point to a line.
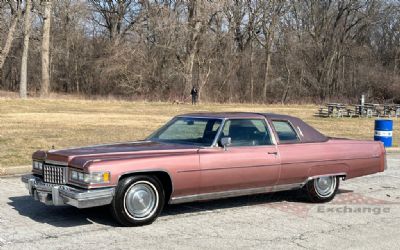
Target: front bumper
55	194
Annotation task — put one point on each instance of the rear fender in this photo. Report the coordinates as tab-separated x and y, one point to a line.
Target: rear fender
337	169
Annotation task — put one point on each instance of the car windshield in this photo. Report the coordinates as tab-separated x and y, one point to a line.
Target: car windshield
188	130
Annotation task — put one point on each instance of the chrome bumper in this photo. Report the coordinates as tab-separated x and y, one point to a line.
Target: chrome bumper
57	195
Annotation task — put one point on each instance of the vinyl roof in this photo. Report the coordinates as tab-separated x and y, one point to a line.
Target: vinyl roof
306	133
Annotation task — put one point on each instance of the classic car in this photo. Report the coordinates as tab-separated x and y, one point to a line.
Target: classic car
201	156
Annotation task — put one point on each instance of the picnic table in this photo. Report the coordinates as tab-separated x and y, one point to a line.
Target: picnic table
332	109
337	109
359	110
388	109
367	110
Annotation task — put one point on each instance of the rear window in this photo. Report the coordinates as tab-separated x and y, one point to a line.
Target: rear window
285	131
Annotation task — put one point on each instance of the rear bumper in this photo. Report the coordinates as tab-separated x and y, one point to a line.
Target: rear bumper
57	195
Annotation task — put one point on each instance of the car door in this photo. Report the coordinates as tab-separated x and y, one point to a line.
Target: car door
251	161
296	157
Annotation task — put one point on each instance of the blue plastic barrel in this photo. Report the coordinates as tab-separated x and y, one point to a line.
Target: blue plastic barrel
384	132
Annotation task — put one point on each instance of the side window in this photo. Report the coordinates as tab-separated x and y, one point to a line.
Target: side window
247	132
285	131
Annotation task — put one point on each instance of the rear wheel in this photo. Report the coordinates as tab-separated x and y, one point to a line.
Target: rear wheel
138	200
322	189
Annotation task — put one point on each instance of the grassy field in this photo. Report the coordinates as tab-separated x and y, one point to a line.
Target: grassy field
29	125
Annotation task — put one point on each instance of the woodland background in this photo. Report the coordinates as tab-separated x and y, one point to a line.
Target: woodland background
256	51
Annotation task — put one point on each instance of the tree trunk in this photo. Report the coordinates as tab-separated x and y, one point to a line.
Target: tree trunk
266	75
204	81
10	37
396	61
343	71
251	73
24	60
287	87
76	76
193	49
44	91
189	70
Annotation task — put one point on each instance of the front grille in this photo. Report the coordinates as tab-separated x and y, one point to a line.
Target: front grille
54	174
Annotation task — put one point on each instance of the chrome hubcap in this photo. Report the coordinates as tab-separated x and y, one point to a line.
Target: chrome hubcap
325	186
141	200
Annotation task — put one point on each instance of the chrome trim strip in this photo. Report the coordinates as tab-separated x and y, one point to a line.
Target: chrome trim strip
99	145
284	187
324	175
234	193
271	132
60	163
221	127
226	168
87	163
301	132
343	159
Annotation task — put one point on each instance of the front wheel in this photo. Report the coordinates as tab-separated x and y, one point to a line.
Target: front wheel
322	189
138	200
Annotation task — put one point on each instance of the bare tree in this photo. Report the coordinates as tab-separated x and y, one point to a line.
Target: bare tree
269	20
45	85
241	16
195	29
24	59
333	27
271	51
118	17
15	9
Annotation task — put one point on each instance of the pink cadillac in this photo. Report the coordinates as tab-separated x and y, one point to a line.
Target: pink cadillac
201	156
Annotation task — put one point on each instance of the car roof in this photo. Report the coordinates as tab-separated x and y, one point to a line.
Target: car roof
306	132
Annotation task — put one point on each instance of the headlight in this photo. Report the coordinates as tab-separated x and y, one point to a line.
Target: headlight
37	165
90	178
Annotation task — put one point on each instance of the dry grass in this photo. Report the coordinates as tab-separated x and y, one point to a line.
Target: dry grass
29	125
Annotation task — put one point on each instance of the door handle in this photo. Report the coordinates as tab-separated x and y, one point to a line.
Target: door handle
273	153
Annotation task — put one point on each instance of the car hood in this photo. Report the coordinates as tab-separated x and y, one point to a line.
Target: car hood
78	157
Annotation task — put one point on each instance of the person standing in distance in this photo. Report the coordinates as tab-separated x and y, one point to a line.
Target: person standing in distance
195	94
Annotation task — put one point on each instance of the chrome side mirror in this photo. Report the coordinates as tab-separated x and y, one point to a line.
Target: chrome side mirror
226	141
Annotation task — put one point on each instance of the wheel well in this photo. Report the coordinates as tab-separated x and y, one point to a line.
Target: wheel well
162	176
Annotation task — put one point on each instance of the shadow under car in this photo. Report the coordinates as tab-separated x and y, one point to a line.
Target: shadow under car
68	216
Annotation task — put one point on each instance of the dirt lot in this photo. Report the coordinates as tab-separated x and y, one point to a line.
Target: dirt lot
29	125
364	215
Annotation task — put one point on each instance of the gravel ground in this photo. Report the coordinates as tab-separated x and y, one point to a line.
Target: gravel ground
364	215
